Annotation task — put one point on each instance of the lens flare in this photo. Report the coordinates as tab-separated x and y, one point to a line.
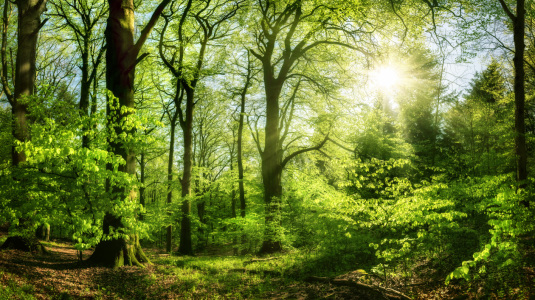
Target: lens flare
386	77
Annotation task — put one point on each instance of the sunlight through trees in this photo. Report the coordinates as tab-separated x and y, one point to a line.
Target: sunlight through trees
317	142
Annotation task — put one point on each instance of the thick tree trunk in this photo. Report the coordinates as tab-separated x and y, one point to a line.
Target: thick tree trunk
186	247
29	24
120	251
28	27
121	60
520	96
20	130
521	151
272	169
120	39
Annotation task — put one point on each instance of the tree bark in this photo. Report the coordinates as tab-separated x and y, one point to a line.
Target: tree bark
240	135
121	59
272	166
169	231
521	151
277	69
233	192
520	96
185	246
85	84
29	24
142	197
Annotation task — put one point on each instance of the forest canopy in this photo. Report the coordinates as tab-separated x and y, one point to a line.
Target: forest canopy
390	136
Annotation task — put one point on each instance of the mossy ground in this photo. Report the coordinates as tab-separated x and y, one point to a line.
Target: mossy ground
60	275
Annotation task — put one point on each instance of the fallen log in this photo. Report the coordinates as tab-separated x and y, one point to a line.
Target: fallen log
375	291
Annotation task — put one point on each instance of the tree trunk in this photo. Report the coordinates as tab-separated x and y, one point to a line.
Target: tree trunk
85	85
186	247
29	24
121	60
240	138
233	192
142	197
43	232
272	169
119	251
521	151
520	96
169	236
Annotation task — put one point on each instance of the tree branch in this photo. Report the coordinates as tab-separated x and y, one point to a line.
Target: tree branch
507	10
317	147
148	28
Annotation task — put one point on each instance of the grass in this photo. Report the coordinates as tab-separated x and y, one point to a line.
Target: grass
218	277
240	277
174	277
15	288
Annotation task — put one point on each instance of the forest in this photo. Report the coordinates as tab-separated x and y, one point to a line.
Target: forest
267	149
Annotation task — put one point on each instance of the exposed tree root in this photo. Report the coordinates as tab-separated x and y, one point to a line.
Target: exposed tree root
119	252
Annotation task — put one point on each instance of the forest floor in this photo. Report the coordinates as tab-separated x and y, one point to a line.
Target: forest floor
59	275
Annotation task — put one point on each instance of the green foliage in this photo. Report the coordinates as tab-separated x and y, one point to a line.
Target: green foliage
480	128
510	228
63	184
410	181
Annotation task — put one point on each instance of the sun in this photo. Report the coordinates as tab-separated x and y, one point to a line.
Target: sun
386	77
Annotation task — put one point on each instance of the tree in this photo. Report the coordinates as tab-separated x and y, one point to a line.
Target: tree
82	18
288	35
243	97
172	114
122	56
479	125
209	19
210	158
417	98
29	24
518	21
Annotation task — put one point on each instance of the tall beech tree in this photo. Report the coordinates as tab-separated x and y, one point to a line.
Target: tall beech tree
173	122
288	34
248	77
518	21
29	25
122	56
207	19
